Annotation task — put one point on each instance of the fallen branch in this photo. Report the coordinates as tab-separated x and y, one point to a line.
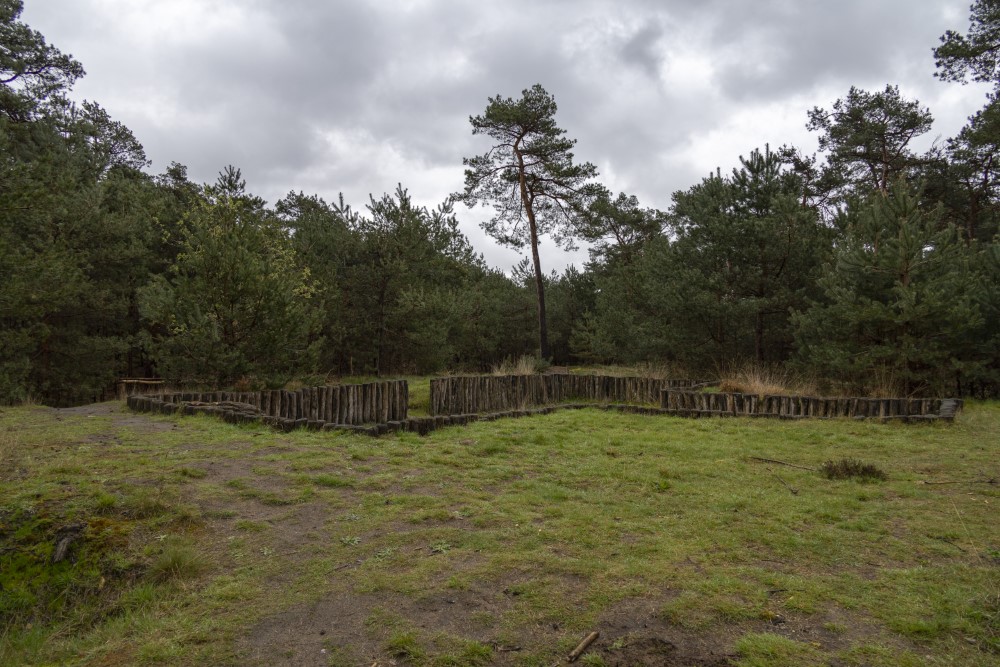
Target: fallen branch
500	648
991	480
582	646
784	463
795	492
947	540
345	565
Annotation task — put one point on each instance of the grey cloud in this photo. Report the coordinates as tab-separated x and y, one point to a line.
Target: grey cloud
640	49
406	77
771	49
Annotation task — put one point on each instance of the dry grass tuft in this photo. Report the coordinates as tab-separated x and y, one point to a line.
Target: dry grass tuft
884	383
660	370
760	379
853	468
525	365
178	559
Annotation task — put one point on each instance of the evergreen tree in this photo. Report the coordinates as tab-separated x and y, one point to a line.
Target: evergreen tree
898	299
530	179
32	72
75	228
234	304
327	243
866	137
571	300
618	229
745	253
411	264
974	56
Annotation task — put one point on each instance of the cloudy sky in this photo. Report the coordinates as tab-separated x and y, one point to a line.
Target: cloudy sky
330	96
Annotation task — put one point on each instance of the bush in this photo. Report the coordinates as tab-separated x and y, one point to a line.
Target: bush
848	468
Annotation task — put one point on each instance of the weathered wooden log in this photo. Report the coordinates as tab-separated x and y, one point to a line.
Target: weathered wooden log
349	405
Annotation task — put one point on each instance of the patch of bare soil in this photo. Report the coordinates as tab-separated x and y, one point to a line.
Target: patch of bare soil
290	527
660	652
94	409
634	632
355	627
293	532
306	635
122	417
141	424
835	629
342	624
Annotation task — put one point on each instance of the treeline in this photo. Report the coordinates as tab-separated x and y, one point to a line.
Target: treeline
867	263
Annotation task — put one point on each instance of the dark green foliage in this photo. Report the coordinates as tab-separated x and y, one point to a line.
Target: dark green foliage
413	263
75	228
965	176
869	265
327	243
618	229
744	251
497	322
400	289
572	298
975	55
866	137
898	299
234	304
965	179
31	71
853	469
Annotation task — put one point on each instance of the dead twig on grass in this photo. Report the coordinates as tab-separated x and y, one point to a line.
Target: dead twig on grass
794	491
500	648
783	463
947	540
582	646
991	480
346	565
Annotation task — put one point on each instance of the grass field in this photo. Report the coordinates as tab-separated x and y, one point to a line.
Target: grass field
188	541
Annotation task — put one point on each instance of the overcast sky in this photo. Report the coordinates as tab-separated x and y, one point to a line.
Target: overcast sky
355	97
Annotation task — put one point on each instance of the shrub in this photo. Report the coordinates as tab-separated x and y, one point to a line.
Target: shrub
848	468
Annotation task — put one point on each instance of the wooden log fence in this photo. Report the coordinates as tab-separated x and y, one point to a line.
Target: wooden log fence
381	407
694	404
498	393
244	413
125	387
313	407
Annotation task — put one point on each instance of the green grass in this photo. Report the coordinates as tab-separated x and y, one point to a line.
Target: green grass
198	536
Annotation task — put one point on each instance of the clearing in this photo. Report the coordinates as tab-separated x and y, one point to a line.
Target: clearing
188	541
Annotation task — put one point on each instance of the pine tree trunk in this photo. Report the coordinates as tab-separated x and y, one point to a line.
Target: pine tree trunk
758	338
526	200
543	329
